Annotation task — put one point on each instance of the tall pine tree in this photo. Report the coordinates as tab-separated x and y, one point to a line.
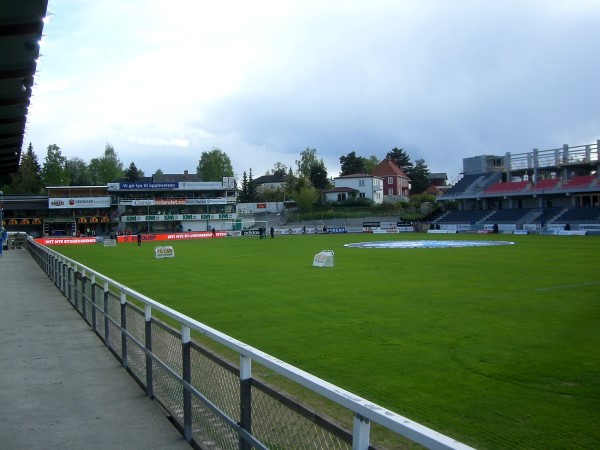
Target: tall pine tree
251	187
399	157
244	194
133	173
419	177
27	179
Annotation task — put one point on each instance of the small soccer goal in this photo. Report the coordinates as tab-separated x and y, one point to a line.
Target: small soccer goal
324	259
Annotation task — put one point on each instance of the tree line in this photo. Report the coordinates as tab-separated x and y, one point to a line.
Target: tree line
303	184
58	170
311	177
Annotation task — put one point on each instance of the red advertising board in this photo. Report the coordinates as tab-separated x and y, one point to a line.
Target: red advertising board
133	238
66	240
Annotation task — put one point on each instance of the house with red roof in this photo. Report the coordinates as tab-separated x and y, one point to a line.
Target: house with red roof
395	182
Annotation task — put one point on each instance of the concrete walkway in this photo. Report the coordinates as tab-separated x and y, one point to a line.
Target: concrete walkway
60	388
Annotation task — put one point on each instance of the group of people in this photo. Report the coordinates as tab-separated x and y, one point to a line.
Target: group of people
113	235
262	232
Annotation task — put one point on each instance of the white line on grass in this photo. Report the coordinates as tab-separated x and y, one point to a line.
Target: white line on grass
568	286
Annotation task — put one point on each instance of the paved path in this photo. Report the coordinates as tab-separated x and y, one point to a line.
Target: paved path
60	388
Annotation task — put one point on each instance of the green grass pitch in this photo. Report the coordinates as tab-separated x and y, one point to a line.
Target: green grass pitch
498	347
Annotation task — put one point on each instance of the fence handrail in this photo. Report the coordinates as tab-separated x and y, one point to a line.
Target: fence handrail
359	406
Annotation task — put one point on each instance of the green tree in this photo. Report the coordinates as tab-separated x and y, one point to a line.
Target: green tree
312	168
278	169
77	171
308	158
370	163
54	172
244	196
290	184
107	168
318	175
251	187
306	197
352	164
158	172
271	195
214	165
27	179
133	173
419	177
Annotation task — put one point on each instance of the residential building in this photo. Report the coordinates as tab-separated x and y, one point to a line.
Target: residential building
354	187
276	181
396	184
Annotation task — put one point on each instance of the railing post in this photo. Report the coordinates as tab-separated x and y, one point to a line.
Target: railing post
56	266
64	277
69	287
54	263
93	301
245	399
75	288
106	316
123	329
51	268
83	302
187	375
361	427
148	334
56	271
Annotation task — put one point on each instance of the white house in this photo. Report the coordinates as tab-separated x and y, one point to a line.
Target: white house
276	181
355	186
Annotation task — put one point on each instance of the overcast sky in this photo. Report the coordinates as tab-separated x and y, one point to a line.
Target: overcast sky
163	81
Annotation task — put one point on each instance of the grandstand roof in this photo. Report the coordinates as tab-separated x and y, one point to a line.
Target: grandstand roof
21	25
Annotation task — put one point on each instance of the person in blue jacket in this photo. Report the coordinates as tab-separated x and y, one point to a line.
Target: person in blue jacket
3	238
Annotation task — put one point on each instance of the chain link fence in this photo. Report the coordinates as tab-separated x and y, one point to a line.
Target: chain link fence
215	404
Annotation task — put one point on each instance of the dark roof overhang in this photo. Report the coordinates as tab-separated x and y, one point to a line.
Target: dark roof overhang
21	26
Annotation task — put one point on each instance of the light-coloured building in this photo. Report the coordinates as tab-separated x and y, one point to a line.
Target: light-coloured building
354	187
267	182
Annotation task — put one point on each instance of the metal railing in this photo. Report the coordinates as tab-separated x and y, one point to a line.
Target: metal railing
215	404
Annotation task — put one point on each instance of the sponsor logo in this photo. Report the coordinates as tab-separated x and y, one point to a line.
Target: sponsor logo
336	230
164	252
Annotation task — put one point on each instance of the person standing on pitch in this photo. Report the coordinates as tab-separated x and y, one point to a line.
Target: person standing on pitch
3	237
272	232
139	238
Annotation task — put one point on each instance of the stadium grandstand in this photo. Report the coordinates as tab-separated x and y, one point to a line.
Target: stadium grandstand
551	189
